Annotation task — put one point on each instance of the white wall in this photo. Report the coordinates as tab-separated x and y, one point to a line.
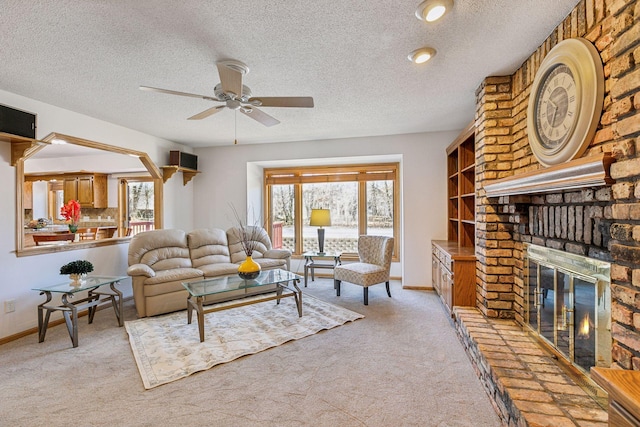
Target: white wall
229	170
21	274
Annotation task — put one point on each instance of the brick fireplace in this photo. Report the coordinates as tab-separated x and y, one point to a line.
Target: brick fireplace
601	222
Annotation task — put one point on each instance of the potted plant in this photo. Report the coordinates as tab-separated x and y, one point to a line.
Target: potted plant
77	270
71	214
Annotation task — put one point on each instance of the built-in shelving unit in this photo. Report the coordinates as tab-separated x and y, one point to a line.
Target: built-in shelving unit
461	171
187	174
453	260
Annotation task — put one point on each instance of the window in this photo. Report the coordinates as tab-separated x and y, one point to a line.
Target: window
362	199
139	209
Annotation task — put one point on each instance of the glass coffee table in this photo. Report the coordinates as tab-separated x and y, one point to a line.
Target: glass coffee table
198	290
70	309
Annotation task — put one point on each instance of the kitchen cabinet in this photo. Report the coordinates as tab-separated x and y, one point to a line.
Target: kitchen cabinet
90	190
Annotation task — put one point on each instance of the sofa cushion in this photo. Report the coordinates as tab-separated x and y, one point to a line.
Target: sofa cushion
160	249
260	241
267	263
208	246
220	269
174	275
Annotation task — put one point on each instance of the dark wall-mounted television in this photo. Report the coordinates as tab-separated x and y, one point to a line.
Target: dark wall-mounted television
17	122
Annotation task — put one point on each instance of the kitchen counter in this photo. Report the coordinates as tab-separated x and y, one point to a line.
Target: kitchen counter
106	228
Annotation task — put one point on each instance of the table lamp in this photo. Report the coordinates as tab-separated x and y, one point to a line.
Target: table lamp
320	218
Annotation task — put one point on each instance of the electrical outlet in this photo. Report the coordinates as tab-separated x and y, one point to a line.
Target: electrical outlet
10	306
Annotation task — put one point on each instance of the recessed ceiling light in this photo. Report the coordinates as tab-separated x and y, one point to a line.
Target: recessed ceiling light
422	55
432	10
58	141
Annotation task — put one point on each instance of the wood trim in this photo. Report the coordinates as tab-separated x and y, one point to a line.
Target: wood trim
466	133
623	387
153	170
187	174
592	171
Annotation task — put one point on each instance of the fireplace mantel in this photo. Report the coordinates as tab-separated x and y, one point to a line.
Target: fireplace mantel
592	171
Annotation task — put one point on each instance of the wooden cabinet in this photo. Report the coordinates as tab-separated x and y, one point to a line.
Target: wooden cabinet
89	190
454	273
461	171
623	387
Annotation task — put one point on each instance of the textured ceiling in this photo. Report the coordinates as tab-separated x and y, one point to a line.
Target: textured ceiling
350	56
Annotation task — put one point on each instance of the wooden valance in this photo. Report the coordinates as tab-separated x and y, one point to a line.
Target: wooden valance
592	171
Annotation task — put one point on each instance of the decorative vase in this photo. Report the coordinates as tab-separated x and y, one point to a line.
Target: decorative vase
73	228
76	279
249	269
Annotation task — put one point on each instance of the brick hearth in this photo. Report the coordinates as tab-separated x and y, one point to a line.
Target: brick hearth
527	385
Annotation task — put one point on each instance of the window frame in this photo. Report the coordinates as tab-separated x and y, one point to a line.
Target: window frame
361	173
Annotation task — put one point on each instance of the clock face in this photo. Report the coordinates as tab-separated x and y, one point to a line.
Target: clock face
556	107
565	102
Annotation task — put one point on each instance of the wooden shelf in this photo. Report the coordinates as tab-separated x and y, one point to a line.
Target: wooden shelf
170	170
461	170
21	146
589	171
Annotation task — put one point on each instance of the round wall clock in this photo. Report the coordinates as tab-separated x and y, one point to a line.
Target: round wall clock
565	102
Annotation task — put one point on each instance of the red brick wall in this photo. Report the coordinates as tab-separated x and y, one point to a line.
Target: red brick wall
600	222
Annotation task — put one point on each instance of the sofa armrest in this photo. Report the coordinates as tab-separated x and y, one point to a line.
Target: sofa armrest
140	270
277	253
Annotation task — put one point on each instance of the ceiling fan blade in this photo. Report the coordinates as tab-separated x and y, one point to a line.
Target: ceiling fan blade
174	92
206	113
231	80
283	101
260	116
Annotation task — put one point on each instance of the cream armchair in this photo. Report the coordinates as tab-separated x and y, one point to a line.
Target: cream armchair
374	267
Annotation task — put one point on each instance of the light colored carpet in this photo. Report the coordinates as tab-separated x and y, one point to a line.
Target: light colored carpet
167	348
402	365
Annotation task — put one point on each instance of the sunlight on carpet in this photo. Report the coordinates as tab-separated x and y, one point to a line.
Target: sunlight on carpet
166	348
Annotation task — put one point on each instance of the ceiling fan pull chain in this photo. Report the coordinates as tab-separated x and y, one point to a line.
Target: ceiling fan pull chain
235	127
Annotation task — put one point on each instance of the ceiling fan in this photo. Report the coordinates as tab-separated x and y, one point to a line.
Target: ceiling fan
237	96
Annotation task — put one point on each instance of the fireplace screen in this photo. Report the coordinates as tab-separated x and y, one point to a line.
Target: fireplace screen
568	304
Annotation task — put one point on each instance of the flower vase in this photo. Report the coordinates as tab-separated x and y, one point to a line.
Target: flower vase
76	279
73	228
249	269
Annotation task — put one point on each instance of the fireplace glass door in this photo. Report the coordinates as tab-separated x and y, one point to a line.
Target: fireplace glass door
570	309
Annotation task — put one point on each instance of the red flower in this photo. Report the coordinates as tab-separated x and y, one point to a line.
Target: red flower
71	211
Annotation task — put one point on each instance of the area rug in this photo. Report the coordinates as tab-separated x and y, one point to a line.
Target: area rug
166	348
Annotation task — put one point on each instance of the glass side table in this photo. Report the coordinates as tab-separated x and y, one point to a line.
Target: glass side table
310	262
70	309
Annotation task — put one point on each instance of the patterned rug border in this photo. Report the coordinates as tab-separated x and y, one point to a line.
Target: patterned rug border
166	348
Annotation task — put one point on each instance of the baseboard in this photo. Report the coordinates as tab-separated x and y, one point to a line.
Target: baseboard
52	323
419	288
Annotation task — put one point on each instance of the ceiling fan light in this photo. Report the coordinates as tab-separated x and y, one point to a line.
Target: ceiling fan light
422	55
432	10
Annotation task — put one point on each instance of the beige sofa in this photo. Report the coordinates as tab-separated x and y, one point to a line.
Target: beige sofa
160	260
